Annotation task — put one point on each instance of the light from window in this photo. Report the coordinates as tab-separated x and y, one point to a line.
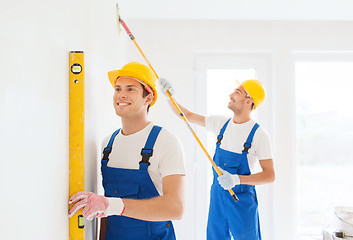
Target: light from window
324	137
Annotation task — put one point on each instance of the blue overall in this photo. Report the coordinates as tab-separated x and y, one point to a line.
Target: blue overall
135	184
227	217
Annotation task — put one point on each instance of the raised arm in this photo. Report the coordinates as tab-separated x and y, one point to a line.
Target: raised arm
191	116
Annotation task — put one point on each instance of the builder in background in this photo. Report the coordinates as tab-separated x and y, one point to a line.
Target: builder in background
241	147
142	167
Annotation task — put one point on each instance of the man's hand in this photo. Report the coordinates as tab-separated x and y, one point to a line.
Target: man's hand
227	180
94	205
166	86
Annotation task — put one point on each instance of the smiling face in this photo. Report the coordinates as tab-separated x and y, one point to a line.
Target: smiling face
128	98
239	100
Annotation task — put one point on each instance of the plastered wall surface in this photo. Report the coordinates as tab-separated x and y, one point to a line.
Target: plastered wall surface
36	38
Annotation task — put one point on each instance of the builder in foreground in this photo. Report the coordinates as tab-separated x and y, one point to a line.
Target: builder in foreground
142	167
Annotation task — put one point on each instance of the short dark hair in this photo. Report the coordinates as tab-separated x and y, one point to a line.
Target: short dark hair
145	94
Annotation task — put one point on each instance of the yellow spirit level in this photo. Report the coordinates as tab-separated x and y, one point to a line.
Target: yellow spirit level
77	138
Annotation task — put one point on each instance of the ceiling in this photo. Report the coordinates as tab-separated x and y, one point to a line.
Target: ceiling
238	9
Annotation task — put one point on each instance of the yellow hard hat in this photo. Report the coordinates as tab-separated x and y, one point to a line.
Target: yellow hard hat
139	72
255	89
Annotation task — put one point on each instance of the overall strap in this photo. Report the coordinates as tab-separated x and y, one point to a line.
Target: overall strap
147	151
247	144
108	149
220	135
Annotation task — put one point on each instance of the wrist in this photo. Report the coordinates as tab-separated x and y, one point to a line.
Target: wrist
236	179
116	206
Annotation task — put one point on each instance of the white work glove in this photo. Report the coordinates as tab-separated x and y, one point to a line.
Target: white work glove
166	86
228	180
94	205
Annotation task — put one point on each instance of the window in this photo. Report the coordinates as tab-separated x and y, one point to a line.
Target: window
324	136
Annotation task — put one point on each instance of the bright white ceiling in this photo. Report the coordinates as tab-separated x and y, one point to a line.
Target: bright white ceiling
238	9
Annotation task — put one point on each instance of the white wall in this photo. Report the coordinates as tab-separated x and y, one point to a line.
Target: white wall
36	37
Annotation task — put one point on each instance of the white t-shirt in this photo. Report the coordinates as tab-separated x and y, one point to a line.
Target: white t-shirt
236	135
167	158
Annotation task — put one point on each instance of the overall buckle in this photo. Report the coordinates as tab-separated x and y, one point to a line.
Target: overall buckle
247	146
146	153
219	139
106	153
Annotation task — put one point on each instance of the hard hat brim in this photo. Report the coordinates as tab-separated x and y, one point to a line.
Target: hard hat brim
115	74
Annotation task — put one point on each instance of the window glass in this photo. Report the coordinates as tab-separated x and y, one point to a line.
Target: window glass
324	137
